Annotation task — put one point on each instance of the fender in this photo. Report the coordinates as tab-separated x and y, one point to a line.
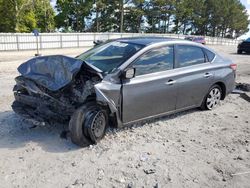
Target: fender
109	94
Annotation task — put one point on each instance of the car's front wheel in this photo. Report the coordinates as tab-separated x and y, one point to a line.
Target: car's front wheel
88	124
213	98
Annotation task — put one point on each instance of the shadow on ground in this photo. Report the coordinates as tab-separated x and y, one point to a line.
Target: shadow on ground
16	132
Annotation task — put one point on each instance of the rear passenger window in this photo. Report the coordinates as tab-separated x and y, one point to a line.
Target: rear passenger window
189	55
156	60
210	55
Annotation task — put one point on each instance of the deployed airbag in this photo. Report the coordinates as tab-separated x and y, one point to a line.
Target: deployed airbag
53	72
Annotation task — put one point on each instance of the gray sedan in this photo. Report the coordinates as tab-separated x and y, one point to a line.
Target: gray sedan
129	80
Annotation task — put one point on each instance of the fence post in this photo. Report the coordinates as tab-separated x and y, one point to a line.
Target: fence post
61	40
94	37
17	43
40	39
78	42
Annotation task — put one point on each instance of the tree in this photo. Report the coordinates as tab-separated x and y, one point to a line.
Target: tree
226	18
25	15
7	23
106	16
73	14
160	12
44	15
20	16
133	16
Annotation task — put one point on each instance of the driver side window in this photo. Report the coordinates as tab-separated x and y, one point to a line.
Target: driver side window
156	60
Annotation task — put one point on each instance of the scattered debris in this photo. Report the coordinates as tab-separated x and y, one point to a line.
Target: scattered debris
144	157
238	158
245	97
156	185
237	91
149	171
121	180
240	173
195	181
73	164
100	174
130	185
243	86
78	182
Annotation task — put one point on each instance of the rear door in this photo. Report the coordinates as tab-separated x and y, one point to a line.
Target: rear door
152	91
195	75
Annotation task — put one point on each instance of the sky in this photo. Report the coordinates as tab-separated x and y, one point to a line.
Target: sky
244	2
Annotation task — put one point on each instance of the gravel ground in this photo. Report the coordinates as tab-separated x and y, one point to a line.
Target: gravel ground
189	149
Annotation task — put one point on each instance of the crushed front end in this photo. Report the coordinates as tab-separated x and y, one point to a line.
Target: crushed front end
50	89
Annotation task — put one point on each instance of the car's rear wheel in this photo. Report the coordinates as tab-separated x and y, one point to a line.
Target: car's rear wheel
212	99
88	125
239	51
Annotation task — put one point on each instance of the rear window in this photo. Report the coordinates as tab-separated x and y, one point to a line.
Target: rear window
189	55
210	55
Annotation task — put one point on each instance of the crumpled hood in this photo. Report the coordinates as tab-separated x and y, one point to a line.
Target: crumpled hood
53	72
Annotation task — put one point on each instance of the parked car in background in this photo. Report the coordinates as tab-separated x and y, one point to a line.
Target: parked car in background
98	42
244	46
200	40
120	83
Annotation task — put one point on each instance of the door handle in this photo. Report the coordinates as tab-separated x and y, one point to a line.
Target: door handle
207	75
170	82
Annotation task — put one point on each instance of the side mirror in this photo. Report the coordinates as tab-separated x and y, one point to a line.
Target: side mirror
129	73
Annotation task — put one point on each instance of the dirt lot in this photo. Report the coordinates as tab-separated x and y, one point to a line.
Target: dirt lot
190	149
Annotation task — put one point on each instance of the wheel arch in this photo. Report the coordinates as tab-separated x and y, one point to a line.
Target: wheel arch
223	88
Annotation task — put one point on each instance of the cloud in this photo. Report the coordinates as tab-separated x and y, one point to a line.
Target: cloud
248	11
53	3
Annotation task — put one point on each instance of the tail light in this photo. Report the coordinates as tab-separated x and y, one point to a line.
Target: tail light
233	66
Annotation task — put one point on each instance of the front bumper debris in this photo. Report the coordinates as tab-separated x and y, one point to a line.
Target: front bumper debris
41	110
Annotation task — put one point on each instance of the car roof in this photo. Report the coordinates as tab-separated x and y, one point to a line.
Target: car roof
147	40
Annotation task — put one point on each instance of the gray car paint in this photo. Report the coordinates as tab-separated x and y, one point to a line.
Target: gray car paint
148	96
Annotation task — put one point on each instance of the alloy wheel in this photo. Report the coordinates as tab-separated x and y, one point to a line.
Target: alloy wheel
213	98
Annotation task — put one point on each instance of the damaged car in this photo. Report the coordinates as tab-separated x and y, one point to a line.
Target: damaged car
119	83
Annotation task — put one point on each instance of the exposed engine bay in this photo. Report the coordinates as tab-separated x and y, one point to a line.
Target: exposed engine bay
52	87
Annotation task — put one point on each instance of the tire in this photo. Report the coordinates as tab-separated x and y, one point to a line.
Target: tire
239	52
83	125
212	98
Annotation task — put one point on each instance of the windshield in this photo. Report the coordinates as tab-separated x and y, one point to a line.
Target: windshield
248	40
110	56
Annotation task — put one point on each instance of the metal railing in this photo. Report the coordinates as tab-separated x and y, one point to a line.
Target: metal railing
27	41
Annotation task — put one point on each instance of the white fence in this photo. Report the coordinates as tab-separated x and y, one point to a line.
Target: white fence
27	41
